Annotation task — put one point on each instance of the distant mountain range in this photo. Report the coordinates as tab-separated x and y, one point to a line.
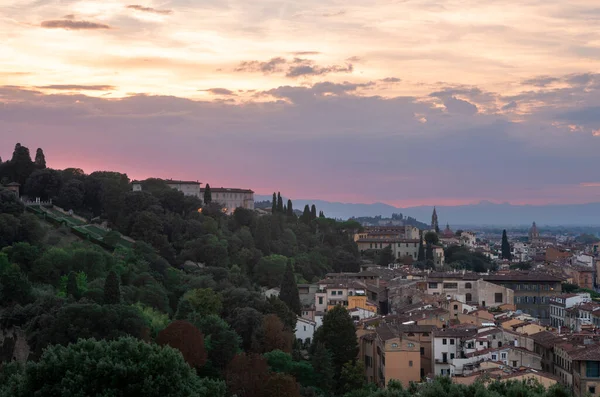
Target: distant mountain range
482	214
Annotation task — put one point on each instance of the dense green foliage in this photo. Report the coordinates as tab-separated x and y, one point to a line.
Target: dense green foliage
126	367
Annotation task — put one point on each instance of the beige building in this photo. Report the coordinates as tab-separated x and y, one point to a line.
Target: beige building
389	355
469	290
188	188
586	371
231	199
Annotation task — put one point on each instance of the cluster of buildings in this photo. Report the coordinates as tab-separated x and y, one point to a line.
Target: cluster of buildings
229	198
515	323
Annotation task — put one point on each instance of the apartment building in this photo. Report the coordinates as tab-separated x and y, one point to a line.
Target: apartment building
447	346
560	303
389	353
586	371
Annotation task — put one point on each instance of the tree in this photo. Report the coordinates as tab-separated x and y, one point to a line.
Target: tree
429	252
279	203
72	287
290	209
186	338
274	203
274	335
313	212
112	289
285	314
421	255
506	254
110	368
221	342
43	183
386	256
270	269
338	335
207	194
352	377
322	363
432	238
289	290
201	301
281	385
10	204
247	375
40	159
247	323
14	285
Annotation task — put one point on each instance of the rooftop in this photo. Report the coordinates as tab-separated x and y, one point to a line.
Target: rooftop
226	190
455	332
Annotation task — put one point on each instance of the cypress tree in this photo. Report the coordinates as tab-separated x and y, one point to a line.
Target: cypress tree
421	256
72	288
429	252
321	214
112	289
289	290
40	159
506	254
274	203
279	203
207	195
285	209
290	209
306	214
313	213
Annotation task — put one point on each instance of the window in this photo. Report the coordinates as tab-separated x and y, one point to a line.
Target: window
468	286
592	389
494	357
394	345
503	355
410	363
455	307
514	363
480	343
451	356
422	351
320	300
498	297
425	333
444	357
469	297
451	341
442	372
411	345
333	292
444	341
592	369
433	285
450	285
305	327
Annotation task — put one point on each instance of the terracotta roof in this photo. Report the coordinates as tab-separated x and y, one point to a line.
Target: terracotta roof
590	353
546	338
455	332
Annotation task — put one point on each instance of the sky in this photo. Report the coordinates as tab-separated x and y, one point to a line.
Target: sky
405	102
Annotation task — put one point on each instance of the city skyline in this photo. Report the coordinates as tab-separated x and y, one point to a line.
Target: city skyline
405	103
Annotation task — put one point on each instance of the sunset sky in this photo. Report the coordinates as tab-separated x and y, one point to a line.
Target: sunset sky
403	102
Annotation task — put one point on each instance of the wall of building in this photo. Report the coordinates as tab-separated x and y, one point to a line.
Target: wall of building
402	361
